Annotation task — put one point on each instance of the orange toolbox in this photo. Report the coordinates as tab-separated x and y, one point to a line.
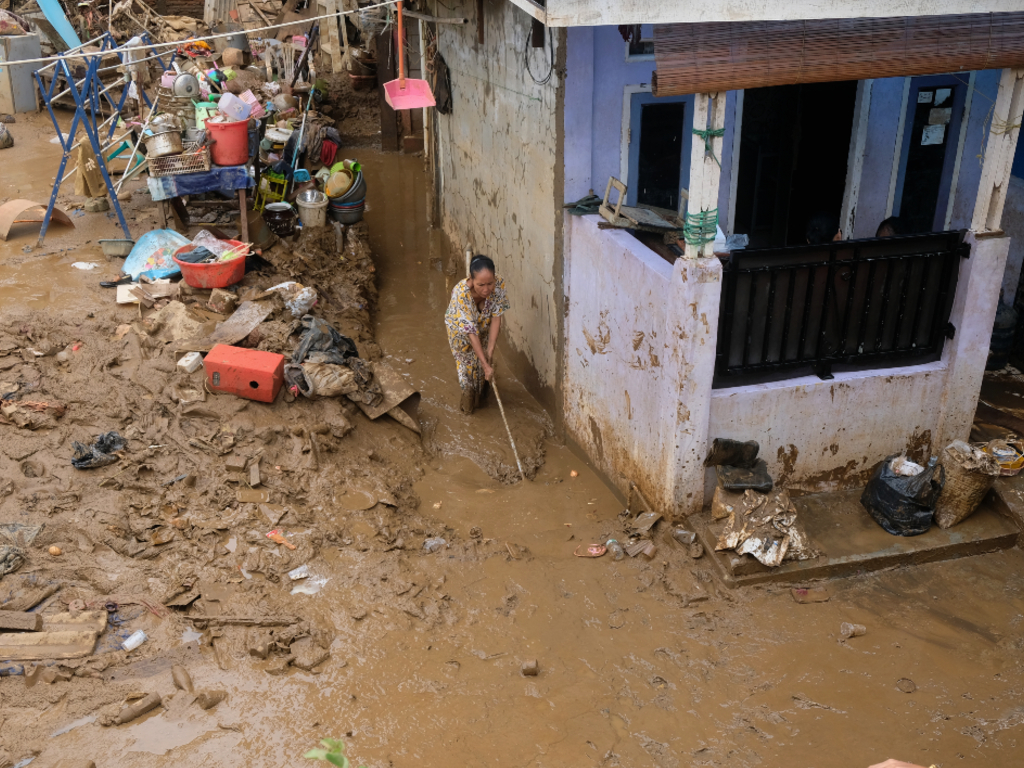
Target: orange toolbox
248	373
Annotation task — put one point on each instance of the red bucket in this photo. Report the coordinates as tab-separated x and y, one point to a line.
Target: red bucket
231	142
217	274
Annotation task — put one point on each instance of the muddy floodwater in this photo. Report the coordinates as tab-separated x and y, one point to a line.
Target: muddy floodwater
641	663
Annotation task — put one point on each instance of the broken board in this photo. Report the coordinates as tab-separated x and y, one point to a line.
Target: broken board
248	315
86	621
35	646
629	217
396	392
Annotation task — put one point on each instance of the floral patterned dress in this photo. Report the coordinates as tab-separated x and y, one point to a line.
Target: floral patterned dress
462	319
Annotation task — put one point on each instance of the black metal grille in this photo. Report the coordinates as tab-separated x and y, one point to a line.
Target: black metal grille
856	303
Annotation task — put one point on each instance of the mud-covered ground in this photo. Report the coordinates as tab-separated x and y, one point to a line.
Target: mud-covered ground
414	658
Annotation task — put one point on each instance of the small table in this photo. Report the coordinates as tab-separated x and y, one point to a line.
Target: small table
226	179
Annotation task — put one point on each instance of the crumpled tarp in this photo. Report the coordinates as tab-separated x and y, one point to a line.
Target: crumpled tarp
226	179
20	534
766	527
152	254
100	453
11	558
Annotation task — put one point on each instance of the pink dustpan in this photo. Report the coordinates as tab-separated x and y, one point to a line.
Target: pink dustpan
403	93
414	95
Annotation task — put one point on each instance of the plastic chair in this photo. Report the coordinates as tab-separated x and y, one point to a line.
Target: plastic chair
272	189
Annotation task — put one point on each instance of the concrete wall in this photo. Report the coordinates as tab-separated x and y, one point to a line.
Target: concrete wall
639	364
638	361
499	191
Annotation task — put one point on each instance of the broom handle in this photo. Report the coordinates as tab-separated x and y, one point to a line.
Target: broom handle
401	49
494	386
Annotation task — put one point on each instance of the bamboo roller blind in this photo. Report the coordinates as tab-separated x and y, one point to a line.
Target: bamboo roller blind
709	58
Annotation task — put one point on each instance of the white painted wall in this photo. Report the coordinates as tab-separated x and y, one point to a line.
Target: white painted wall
570	13
639	360
498	155
640	339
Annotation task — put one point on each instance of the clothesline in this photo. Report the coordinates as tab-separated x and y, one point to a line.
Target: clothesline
170	45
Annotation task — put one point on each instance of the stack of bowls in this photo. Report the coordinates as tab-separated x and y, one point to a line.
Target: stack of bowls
349	207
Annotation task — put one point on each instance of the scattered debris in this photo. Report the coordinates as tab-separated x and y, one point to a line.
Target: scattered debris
811	594
906	685
848	630
106	449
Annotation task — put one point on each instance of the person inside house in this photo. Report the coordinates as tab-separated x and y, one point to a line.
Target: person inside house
889	228
823	228
473	321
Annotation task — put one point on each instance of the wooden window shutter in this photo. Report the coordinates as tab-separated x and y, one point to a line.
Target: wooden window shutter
710	58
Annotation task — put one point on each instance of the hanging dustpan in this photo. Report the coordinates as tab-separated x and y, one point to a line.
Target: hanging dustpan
406	93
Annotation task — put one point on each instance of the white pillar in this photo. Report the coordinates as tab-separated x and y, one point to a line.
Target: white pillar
999	149
705	163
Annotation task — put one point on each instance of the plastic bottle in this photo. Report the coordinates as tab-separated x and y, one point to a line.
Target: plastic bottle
134	640
615	548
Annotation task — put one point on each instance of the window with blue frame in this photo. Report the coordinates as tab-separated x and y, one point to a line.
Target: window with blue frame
659	143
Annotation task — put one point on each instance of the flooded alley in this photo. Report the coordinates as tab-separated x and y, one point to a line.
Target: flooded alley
239	516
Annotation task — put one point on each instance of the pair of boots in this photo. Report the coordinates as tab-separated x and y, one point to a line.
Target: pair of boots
473	398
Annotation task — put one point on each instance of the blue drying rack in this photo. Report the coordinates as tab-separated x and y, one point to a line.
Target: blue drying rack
89	95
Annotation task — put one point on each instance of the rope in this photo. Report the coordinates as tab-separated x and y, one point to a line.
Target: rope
708	138
699	229
205	38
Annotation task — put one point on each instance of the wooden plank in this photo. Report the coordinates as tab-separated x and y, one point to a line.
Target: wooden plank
386	64
86	621
29	598
19	621
35	646
331	25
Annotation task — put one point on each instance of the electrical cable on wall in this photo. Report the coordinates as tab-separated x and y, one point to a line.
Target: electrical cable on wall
551	63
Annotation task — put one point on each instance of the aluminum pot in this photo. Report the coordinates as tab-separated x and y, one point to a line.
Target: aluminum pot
164	144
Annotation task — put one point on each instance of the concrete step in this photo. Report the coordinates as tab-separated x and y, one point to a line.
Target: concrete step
851	542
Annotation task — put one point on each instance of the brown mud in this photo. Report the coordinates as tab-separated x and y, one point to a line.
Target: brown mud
414	659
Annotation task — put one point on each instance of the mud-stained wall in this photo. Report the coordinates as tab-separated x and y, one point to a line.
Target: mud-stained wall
497	153
639	352
826	435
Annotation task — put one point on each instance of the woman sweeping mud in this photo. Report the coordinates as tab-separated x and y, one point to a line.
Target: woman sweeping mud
474	313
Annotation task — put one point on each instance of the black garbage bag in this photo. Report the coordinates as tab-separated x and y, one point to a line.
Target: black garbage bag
319	337
740	479
100	453
903	506
733	453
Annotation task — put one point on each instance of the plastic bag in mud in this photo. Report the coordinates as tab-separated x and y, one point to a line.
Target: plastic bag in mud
99	454
319	336
903	506
740	479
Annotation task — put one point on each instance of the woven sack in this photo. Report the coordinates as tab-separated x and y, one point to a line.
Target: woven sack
969	475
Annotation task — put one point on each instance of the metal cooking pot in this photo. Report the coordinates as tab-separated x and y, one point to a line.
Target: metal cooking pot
164	144
186	85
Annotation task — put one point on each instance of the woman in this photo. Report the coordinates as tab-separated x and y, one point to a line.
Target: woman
474	313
